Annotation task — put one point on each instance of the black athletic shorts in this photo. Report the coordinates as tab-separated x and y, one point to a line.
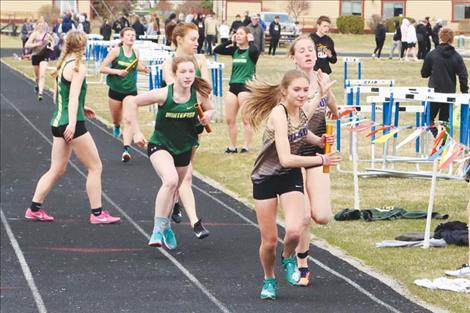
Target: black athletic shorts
118	96
279	184
38	58
80	130
236	88
180	160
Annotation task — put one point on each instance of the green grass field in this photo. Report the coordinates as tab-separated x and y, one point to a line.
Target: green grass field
356	239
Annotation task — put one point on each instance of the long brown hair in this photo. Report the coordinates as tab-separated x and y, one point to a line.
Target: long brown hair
121	34
75	42
180	30
201	85
265	96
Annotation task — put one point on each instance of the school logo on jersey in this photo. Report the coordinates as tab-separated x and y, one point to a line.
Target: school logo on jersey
239	60
321	51
180	115
297	135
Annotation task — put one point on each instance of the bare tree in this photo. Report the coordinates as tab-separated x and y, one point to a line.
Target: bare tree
297	7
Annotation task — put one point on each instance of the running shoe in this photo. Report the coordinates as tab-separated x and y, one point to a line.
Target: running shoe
244	150
463	271
290	267
304	280
126	156
200	231
269	289
177	214
156	239
38	216
40	97
169	238
116	131
104	218
228	150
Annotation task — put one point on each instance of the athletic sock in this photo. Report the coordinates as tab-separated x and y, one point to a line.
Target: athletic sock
35	206
96	212
160	224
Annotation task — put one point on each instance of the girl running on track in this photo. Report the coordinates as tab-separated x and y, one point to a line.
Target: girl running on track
317	184
277	167
122	82
70	134
185	38
171	146
245	54
42	45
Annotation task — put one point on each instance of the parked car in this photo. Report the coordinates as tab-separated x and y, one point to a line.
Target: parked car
288	32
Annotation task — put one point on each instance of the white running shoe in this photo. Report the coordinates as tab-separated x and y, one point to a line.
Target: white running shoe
463	271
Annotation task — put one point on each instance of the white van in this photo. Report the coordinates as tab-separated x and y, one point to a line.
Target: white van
288	28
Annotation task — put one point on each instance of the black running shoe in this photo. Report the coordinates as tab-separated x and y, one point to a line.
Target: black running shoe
177	215
36	89
244	150
200	231
40	97
228	150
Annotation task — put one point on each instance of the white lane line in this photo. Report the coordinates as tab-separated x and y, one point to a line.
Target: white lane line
180	266
249	221
243	217
24	265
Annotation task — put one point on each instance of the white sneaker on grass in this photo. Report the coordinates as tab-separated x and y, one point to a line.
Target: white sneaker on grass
463	271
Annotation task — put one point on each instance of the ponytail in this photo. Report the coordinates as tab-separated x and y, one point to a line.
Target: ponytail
263	98
75	42
202	87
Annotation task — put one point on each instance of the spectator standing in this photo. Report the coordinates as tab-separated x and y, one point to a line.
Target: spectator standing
404	37
199	21
257	32
428	35
85	23
275	34
235	24
324	45
105	30
421	36
120	24
170	24
380	32
435	32
138	27
67	24
224	32
411	41
153	27
396	41
26	31
442	66
210	25
247	19
261	22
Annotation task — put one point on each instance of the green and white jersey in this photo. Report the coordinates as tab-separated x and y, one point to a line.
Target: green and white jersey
128	83
243	68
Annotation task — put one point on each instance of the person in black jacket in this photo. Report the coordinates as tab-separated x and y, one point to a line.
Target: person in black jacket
105	30
428	27
421	35
435	33
247	19
235	24
396	40
380	32
442	65
201	29
275	33
324	45
138	27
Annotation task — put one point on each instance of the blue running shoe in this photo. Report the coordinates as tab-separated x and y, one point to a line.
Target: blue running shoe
169	238
116	131
269	289
290	267
156	239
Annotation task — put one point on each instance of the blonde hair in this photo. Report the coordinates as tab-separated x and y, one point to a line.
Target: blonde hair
201	85
75	43
180	30
265	96
291	51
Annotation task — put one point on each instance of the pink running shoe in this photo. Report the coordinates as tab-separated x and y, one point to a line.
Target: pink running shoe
38	216
104	218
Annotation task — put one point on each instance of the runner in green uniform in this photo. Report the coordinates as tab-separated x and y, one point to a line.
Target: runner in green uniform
185	38
245	55
277	178
171	145
70	134
122	83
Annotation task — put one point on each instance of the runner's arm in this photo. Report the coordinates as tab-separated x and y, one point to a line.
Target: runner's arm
105	66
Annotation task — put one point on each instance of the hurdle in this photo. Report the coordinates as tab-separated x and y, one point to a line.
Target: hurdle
216	69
